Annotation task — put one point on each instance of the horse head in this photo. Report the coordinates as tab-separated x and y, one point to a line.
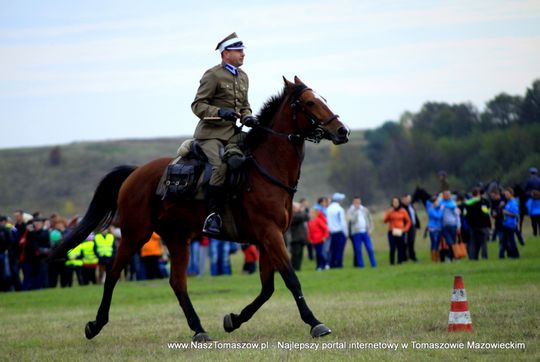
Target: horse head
314	118
420	194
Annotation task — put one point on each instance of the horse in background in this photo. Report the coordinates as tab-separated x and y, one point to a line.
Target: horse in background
262	211
420	194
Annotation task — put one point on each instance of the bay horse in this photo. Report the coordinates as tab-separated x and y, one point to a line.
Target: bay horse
262	213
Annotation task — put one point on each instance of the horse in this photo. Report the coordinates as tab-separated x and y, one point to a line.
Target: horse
420	194
262	213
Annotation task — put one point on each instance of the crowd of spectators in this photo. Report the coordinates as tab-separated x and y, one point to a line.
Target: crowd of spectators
325	228
456	222
26	240
485	213
469	220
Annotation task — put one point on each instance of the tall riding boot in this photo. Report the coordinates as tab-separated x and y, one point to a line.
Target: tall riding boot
212	224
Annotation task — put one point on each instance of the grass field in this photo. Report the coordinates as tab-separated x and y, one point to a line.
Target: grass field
406	304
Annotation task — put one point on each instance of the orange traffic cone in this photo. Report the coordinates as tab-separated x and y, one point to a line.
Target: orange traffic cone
459	318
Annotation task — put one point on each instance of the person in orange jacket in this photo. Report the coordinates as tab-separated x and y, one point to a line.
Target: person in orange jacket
399	223
151	252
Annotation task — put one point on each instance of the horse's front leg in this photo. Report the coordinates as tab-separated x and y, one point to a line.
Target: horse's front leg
277	252
179	254
266	271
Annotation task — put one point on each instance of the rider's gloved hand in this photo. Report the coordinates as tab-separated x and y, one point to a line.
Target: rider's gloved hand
250	121
228	114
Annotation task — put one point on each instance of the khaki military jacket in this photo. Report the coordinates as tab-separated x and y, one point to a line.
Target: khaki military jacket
219	88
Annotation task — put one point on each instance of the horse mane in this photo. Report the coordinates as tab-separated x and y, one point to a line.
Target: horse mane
270	108
266	115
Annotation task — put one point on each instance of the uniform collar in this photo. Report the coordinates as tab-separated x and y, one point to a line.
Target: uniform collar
231	68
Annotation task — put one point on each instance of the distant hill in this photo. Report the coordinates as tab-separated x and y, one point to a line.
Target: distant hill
63	178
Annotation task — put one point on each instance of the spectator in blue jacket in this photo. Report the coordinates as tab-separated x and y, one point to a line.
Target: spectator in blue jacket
510	213
434	226
533	209
451	222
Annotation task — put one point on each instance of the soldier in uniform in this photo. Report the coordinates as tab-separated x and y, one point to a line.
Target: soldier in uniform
221	99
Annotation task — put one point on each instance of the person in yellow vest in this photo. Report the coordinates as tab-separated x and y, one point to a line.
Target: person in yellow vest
89	259
151	253
74	263
105	248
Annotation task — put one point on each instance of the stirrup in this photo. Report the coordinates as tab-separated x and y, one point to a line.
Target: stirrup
212	225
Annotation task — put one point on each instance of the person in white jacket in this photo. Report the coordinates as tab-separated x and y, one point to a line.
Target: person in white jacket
360	228
337	224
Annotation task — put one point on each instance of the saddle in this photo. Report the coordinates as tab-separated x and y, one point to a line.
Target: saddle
187	176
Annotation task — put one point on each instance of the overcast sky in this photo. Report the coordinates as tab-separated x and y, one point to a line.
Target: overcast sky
94	70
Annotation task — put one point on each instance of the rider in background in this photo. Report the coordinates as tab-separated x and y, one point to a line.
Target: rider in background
532	189
221	99
533	182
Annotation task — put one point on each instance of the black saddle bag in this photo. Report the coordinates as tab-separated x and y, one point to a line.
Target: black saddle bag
182	177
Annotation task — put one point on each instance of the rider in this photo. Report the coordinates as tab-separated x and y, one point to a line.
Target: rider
533	182
221	99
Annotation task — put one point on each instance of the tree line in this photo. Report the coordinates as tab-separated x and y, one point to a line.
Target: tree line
500	143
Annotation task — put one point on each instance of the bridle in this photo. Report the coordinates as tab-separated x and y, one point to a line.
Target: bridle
315	134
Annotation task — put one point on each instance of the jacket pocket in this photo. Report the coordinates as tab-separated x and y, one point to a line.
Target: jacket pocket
227	88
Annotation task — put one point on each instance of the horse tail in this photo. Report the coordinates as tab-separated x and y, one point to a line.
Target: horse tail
100	212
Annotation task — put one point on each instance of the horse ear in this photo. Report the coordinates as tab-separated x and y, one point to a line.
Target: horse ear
288	84
298	81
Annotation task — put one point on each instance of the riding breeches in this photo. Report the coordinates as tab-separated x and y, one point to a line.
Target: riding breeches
218	152
213	149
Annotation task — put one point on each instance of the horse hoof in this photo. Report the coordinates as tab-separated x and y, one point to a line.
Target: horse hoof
320	330
90	330
228	324
201	337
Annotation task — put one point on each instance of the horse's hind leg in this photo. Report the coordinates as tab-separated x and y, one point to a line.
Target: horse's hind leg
179	254
266	271
126	250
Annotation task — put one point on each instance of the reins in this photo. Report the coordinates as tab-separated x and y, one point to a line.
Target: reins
291	190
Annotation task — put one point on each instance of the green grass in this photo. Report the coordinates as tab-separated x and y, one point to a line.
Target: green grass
398	304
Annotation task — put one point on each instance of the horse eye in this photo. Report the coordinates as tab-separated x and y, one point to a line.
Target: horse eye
310	103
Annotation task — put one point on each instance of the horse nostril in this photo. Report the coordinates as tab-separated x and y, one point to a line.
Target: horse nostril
343	131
